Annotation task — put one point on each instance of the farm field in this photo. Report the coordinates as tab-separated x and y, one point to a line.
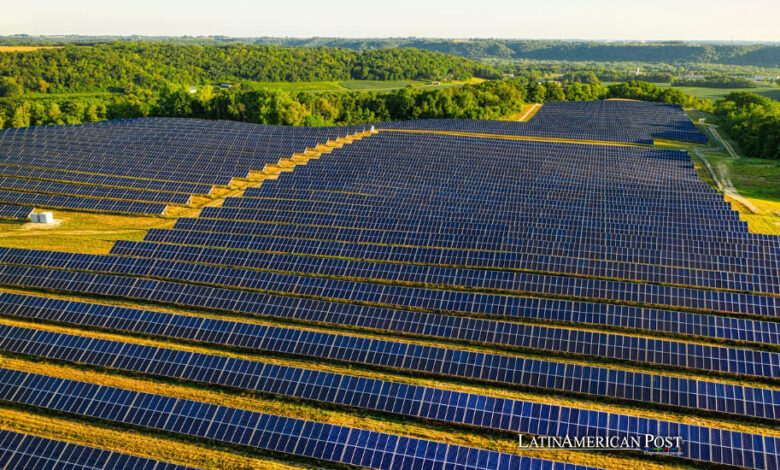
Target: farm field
245	296
770	91
358	85
26	48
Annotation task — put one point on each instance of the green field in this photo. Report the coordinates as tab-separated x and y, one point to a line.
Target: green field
769	91
715	93
351	85
772	92
377	85
312	87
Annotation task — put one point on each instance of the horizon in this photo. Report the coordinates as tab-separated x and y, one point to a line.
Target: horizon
373	38
568	20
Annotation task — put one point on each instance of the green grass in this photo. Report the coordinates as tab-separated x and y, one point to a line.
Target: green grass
86	94
312	87
377	85
757	177
769	91
78	232
772	92
354	85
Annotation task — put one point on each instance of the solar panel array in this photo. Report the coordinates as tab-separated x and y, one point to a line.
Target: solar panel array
604	275
608	121
339	444
122	166
440	405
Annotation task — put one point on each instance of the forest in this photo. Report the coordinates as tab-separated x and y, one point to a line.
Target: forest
716	81
493	99
77	84
125	65
764	55
753	121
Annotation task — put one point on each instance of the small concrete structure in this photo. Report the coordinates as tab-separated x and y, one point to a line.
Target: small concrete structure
42	218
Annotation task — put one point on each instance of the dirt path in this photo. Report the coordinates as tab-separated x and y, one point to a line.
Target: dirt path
723	143
529	112
720	174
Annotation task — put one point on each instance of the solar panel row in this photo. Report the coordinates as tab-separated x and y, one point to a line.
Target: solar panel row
327	442
103	180
602	120
549	375
445	276
582	343
618	247
78	203
483	411
532	308
15	212
523	282
20	451
64	189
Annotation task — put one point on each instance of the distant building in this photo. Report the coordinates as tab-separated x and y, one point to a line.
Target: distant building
691	77
193	89
764	78
226	85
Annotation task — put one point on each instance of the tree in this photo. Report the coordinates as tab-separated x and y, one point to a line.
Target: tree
753	121
536	92
9	87
53	113
553	92
21	117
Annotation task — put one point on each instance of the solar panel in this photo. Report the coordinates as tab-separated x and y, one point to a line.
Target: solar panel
616	121
362	393
19	450
550	375
15	212
339	444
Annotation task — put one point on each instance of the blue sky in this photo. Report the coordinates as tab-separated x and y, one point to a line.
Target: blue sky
586	19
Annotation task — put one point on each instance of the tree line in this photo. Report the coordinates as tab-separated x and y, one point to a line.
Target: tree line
491	99
716	81
124	66
767	55
753	121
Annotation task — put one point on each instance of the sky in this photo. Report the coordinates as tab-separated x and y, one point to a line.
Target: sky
744	20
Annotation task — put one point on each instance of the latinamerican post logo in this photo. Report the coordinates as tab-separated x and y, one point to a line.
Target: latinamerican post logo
647	443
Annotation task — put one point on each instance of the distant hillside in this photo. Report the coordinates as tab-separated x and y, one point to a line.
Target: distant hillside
151	65
763	55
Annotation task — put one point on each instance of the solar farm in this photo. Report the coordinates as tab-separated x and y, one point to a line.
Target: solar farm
408	295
